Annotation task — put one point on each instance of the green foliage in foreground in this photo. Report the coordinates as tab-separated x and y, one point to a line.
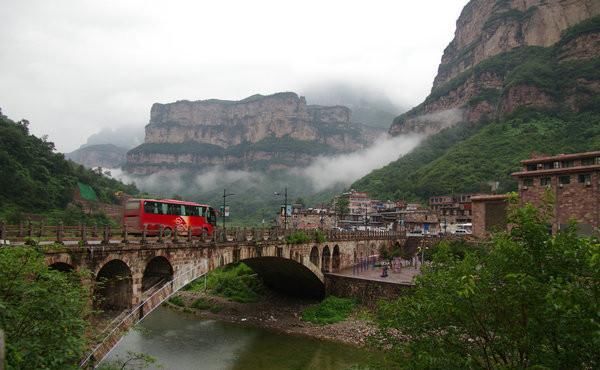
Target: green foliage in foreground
528	300
329	311
42	312
236	282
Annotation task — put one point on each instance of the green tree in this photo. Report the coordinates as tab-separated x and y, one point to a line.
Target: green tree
341	207
42	312
527	300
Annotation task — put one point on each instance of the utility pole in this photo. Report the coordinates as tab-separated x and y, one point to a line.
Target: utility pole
284	207
285	213
225	195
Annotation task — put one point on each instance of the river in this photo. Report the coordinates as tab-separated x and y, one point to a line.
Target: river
181	341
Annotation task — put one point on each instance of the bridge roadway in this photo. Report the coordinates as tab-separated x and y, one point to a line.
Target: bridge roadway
133	276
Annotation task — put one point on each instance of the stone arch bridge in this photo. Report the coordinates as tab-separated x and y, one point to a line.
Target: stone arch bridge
134	276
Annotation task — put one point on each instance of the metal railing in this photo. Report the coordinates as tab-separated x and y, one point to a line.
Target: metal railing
137	314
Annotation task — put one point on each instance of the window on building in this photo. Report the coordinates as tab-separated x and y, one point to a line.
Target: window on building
531	167
545	181
585	178
528	182
556	165
564	180
567	164
597	160
587	162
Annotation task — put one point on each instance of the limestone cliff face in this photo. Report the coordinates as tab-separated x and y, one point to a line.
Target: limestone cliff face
505	55
489	27
228	123
241	133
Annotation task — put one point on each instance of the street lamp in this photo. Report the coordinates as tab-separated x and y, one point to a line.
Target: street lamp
225	195
284	208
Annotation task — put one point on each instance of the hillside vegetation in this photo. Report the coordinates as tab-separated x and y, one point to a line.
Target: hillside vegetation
36	179
467	157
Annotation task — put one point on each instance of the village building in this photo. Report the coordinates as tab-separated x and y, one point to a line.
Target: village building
489	213
310	219
571	181
452	208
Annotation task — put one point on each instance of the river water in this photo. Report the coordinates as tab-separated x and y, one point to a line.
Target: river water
181	341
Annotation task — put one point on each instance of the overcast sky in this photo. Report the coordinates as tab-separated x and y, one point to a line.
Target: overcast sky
74	67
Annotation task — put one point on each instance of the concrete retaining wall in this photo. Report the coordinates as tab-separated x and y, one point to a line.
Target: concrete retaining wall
365	291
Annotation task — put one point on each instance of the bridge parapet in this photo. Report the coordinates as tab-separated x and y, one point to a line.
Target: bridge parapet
82	234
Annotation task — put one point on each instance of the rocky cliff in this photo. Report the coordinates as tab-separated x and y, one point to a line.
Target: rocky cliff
508	54
268	132
100	155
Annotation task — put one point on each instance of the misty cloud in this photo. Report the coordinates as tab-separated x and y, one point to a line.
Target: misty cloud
123	136
327	172
218	177
442	119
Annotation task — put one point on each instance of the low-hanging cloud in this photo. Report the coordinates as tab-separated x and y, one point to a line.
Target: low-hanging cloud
324	173
327	172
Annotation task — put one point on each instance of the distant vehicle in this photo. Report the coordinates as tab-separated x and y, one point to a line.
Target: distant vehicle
468	227
171	214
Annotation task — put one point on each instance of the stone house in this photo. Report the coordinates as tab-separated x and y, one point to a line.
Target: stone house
571	180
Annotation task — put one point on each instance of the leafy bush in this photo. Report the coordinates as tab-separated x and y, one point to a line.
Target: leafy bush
298	237
320	236
526	300
42	312
177	301
201	304
331	310
237	282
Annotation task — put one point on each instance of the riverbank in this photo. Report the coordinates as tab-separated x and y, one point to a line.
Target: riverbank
282	314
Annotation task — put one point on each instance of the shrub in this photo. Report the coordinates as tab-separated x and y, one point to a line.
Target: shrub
331	310
298	237
177	301
201	304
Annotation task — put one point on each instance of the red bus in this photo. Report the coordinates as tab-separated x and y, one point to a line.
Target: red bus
171	214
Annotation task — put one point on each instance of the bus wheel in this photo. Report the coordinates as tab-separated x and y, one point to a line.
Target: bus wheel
167	232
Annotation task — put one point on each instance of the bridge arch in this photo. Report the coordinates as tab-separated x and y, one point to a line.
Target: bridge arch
314	256
325	259
114	286
157	272
288	275
335	262
62	267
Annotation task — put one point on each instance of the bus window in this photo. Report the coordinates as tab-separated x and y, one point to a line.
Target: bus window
192	211
151	207
173	209
202	211
164	208
212	217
